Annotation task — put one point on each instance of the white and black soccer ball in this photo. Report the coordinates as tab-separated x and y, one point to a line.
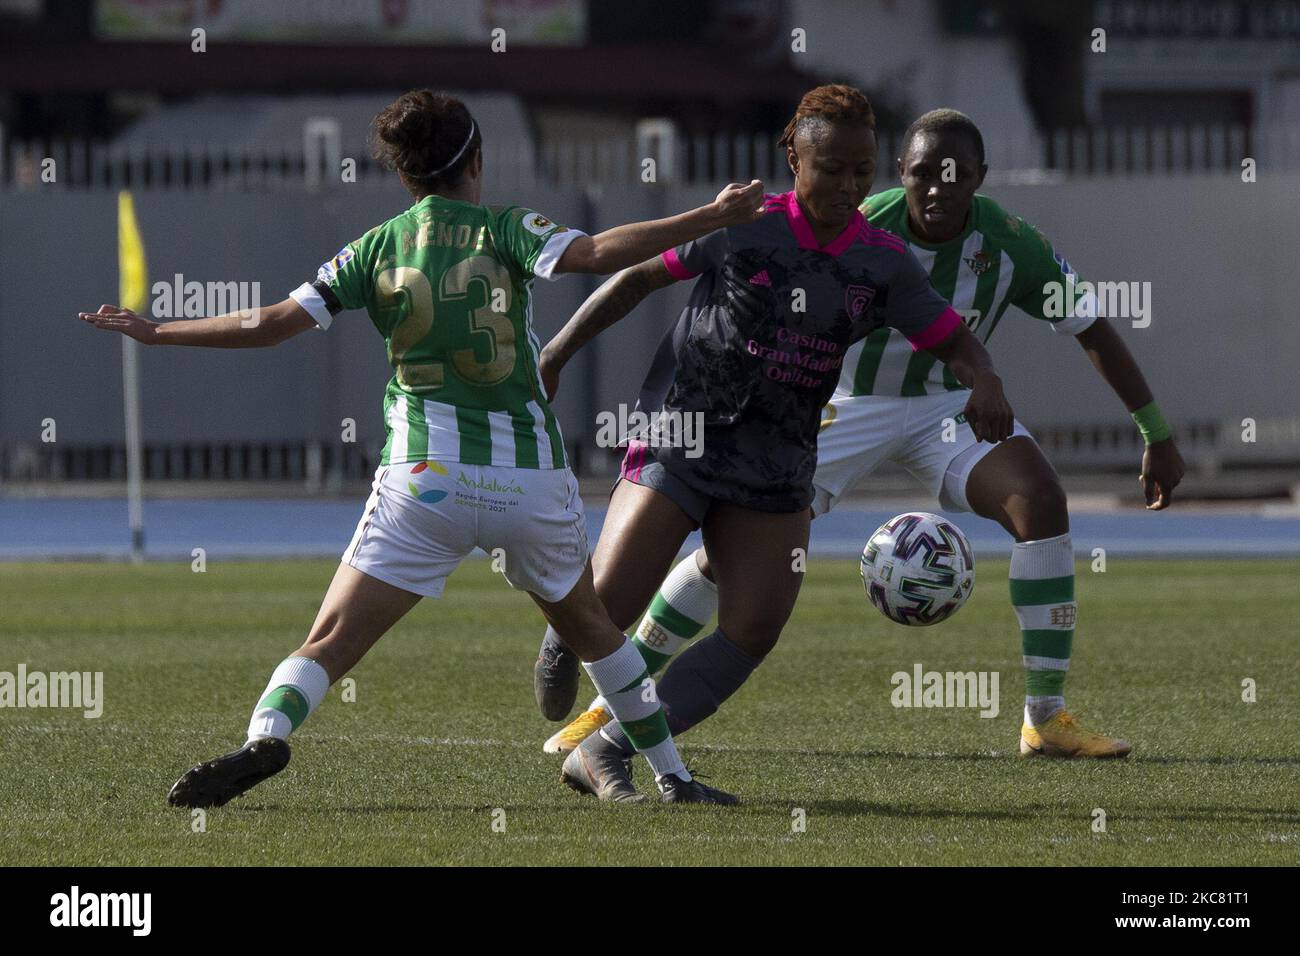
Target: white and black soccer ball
918	569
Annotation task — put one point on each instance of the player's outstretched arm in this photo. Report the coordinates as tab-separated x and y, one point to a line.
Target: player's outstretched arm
987	411
246	329
1162	465
625	246
611	302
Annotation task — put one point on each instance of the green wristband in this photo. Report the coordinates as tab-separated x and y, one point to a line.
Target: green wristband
1151	423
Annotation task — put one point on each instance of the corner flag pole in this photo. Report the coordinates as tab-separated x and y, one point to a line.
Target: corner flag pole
132	286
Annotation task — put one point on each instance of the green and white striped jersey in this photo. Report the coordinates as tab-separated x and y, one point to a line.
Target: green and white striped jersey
998	261
448	284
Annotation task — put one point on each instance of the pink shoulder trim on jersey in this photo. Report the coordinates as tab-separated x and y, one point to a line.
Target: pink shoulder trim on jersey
675	267
882	244
874	236
803	231
936	331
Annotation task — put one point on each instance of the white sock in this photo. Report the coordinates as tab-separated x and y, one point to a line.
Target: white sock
296	688
686	602
628	689
1039	710
689	591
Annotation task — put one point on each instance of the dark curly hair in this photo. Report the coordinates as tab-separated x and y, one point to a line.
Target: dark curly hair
429	138
836	103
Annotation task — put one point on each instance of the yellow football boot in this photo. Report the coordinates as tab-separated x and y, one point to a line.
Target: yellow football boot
1062	737
578	730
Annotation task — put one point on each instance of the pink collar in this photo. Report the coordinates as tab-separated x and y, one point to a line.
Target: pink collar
803	231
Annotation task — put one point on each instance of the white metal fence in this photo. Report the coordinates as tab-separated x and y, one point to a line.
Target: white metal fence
1088	152
1212	448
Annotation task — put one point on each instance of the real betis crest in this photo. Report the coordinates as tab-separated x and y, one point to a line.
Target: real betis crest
979	263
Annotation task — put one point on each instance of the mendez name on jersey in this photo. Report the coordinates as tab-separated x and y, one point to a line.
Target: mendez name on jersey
448	284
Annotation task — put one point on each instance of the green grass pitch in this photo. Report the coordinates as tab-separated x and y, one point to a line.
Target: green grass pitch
443	732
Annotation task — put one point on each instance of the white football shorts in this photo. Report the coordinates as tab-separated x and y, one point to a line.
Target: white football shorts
423	518
926	434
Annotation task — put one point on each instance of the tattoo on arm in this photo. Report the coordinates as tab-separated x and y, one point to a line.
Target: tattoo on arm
608	304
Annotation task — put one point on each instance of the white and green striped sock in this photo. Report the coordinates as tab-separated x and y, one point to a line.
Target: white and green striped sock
629	692
686	601
297	687
1042	592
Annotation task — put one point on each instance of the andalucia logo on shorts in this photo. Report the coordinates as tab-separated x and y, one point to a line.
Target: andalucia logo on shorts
421	479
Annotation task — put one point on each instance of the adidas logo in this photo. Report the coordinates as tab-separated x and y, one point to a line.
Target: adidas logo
760	279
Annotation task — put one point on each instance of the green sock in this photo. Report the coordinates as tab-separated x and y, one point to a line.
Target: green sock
686	601
630	694
296	688
1042	592
663	632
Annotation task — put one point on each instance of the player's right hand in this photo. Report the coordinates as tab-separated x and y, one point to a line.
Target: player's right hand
114	319
738	204
988	412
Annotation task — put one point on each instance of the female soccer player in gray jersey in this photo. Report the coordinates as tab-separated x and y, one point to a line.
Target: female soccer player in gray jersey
473	458
892	404
753	359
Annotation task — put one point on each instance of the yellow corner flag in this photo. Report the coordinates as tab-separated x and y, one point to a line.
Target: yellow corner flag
133	275
133	294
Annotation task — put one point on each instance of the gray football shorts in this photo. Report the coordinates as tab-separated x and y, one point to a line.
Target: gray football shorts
641	468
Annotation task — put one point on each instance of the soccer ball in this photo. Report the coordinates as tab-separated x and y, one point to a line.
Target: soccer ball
918	569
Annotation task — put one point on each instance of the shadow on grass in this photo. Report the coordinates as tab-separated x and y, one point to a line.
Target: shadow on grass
1029	813
986	755
378	808
1038	812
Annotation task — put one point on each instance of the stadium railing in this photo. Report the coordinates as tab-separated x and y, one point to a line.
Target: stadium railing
1214	450
680	158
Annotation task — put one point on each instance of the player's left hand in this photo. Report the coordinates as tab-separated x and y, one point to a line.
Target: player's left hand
1162	470
988	412
113	319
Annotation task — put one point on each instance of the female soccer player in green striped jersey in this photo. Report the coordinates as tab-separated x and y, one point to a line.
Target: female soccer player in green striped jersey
474	456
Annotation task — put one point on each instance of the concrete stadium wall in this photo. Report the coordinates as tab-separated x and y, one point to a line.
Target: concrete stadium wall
1224	338
1222	344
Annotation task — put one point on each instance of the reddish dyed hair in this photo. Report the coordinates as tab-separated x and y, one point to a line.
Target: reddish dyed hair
836	103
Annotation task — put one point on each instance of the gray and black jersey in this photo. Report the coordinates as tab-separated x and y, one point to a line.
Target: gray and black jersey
759	347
